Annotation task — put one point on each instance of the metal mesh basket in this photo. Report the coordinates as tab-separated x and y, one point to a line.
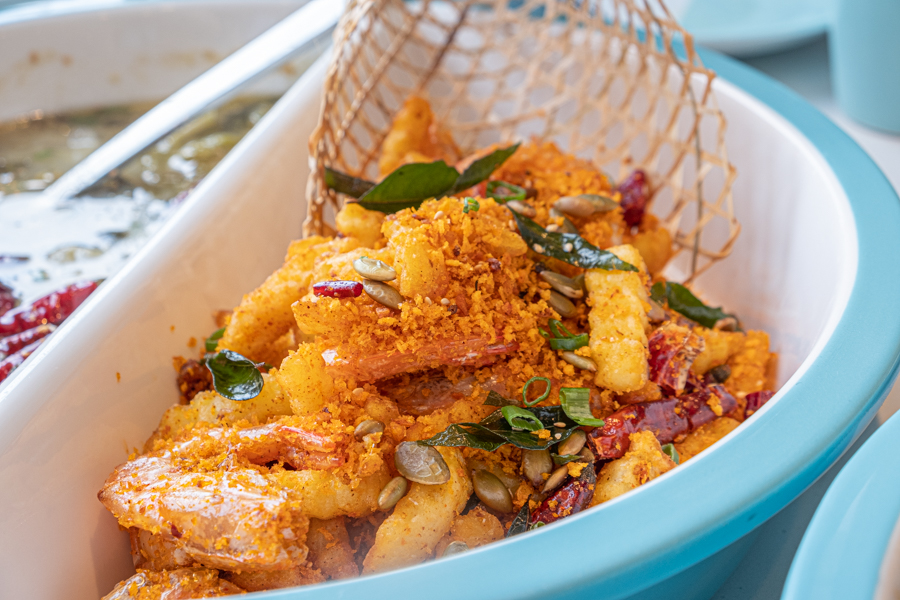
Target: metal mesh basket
615	81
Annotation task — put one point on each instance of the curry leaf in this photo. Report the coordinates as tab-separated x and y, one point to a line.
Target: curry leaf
682	301
495	399
409	185
520	522
212	342
561	459
234	376
568	247
482	168
494	431
576	404
347	184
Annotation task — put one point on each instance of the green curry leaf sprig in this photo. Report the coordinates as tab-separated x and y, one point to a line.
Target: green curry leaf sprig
409	185
234	376
681	300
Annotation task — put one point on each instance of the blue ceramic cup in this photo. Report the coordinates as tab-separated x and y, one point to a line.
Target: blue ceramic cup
865	61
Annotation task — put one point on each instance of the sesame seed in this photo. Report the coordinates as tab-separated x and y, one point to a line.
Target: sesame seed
553	227
444	301
538	248
512	224
568	247
557	435
559	424
439	215
427	300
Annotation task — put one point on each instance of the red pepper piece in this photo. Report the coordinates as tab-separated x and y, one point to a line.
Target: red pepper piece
8	300
574	496
338	289
673	349
635	191
17	358
17	341
755	401
663	418
695	406
53	308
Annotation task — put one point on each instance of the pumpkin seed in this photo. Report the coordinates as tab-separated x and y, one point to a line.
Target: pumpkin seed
567	225
522	208
383	293
587	455
455	548
585	205
562	284
491	491
392	492
556	478
534	464
366	427
422	464
579	281
561	304
656	312
374	269
726	324
573	444
582	362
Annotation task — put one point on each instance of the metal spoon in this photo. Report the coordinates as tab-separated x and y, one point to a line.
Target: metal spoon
311	24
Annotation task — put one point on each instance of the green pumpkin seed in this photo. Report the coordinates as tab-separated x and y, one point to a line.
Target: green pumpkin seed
562	284
491	491
726	324
374	269
534	464
392	492
366	427
556	478
720	374
383	293
585	205
587	455
656	313
522	208
582	362
561	304
579	281
567	225
422	464
455	548
573	444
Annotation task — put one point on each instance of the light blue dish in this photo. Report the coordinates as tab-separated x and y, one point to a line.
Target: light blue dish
844	547
682	536
753	27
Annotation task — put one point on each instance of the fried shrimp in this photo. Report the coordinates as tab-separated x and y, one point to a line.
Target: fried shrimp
441	377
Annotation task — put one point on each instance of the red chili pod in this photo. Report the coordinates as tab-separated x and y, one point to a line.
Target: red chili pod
17	341
53	308
574	496
17	358
755	401
673	349
338	289
635	191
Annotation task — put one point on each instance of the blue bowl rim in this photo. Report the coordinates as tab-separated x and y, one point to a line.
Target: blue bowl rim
843	549
677	522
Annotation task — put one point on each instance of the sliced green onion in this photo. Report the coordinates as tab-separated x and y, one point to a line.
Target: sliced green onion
514	191
542	396
575	403
544	333
521	418
212	342
561	459
471	204
672	452
569	343
559	330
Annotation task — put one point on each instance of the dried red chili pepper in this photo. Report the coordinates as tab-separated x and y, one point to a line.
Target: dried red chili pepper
635	191
338	289
667	419
17	341
572	497
17	358
755	401
673	349
53	308
8	300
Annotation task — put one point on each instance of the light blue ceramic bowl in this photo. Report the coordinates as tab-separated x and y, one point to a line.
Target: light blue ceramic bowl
842	556
682	535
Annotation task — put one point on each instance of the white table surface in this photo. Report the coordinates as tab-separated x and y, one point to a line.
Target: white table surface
762	574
